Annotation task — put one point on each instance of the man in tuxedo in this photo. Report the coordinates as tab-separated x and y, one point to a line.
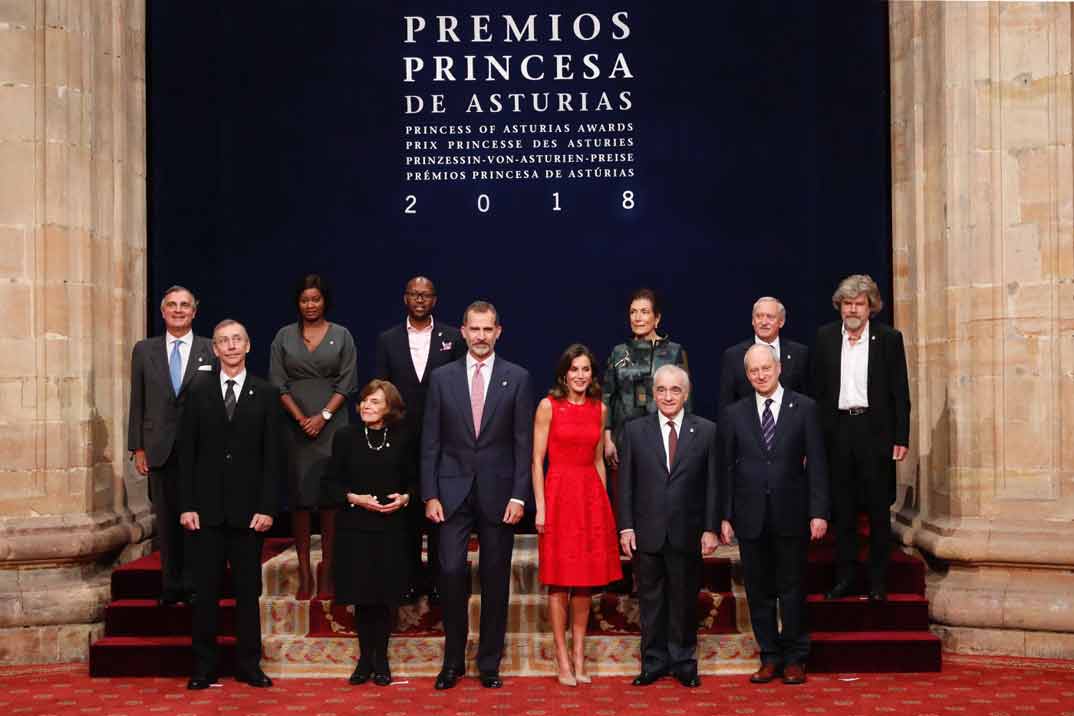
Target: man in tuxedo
229	473
668	513
769	317
775	499
162	370
476	449
861	388
406	355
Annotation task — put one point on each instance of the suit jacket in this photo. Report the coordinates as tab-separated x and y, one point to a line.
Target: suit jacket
499	459
394	363
155	409
230	469
794	370
888	385
660	505
750	471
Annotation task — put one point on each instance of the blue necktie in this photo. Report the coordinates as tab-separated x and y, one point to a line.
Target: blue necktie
175	366
768	424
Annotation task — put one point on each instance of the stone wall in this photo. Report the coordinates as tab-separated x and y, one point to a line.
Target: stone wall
72	302
983	195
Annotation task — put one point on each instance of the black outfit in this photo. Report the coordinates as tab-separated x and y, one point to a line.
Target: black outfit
734	386
370	569
153	426
668	511
769	497
395	364
860	446
230	470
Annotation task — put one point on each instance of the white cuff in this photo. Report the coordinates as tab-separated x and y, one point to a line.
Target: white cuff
521	502
628	529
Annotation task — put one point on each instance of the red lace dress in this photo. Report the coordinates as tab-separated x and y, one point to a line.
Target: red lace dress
579	547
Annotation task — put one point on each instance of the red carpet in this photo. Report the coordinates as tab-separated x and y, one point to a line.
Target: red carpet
968	686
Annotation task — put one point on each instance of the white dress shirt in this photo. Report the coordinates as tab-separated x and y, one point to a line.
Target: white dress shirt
239	380
665	431
774	344
420	339
854	371
486	372
186	342
777	400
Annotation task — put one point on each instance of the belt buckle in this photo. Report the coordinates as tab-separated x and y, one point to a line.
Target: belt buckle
855	411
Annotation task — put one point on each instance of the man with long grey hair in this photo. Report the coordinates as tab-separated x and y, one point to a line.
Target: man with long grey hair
860	384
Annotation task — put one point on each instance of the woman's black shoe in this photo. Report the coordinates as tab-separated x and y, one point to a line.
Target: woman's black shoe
382	679
360	675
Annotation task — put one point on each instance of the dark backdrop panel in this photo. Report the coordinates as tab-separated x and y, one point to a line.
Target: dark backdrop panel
762	167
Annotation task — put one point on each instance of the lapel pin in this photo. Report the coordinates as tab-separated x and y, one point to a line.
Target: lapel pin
691	429
504	383
251	392
790	405
199	359
331	343
872	338
445	345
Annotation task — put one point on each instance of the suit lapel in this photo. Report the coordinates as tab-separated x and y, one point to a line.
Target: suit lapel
754	421
656	433
874	358
402	341
498	385
159	359
686	440
835	346
461	387
787	408
194	362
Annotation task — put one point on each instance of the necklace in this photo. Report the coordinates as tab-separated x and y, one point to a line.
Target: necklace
383	443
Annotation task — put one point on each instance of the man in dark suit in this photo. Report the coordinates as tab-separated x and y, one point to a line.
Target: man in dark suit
861	388
769	317
668	513
162	369
775	499
229	473
477	444
406	355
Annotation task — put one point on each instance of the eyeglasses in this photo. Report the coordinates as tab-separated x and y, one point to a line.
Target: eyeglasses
420	295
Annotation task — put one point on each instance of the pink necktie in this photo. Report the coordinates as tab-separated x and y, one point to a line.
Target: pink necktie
477	397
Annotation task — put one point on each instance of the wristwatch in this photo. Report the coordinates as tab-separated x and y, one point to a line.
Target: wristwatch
326	414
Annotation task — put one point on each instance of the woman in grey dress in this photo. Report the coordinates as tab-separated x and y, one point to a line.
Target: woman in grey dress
314	363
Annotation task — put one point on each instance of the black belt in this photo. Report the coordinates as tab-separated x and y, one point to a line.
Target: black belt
854	411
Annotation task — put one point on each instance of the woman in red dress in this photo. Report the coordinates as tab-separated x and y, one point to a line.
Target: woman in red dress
577	543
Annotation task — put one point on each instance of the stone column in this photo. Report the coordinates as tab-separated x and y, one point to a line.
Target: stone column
72	302
983	198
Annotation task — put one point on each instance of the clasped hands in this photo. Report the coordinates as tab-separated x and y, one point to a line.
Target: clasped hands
369	502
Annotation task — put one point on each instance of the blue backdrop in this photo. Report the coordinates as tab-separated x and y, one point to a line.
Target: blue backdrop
760	159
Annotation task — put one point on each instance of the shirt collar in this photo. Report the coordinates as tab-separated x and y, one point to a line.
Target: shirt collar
864	332
677	419
411	329
239	379
777	397
187	338
471	362
774	344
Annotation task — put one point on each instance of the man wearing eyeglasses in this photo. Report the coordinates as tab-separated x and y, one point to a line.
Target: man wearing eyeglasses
406	355
162	369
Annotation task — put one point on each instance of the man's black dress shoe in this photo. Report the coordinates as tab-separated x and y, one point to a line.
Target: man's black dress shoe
878	595
491	680
382	678
360	675
446	679
170	599
689	680
647	677
257	679
197	683
842	589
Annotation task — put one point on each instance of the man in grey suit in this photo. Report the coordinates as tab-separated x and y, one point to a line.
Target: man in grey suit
668	513
162	369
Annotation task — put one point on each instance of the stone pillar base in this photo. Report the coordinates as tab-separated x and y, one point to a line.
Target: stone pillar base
1006	642
48	644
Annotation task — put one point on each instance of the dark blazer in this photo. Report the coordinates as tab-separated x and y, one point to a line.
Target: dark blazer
749	471
794	370
155	410
229	470
394	363
676	506
452	458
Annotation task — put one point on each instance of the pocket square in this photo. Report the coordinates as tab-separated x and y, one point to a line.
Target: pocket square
205	367
445	345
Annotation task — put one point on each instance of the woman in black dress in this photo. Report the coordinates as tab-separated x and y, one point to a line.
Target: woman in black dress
372	475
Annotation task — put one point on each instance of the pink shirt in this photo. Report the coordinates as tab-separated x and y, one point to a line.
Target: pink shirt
419	340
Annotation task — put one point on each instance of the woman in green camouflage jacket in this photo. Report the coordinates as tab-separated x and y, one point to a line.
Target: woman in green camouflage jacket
628	376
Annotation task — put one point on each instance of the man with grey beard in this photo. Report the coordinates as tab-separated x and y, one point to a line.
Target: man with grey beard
859	382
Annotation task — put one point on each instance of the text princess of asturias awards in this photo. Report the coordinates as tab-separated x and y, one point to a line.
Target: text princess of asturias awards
510	66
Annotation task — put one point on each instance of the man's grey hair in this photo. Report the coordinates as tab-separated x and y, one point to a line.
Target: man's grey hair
672	371
765	299
759	347
173	289
856	285
229	322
